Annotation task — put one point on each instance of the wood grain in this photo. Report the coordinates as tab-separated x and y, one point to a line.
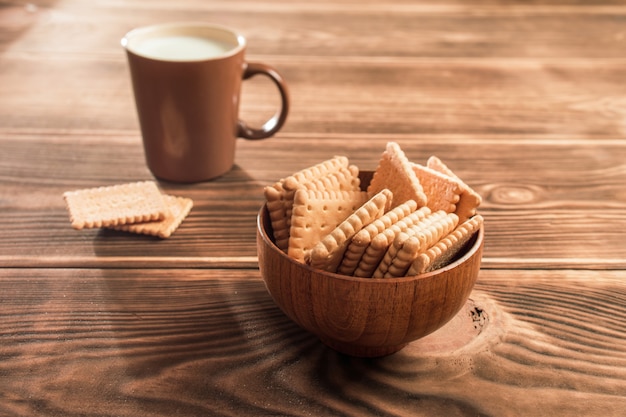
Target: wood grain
472	97
467	69
543	196
339	28
194	342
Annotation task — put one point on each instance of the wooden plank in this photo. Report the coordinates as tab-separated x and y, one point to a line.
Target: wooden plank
546	204
199	342
519	98
348	28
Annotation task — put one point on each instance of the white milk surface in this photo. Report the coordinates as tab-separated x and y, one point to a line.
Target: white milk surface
181	48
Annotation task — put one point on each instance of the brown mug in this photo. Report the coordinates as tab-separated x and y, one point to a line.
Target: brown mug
186	81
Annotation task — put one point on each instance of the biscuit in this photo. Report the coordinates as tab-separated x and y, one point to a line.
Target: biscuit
380	243
437	164
115	205
333	174
442	192
343	179
469	200
395	173
414	240
178	209
468	204
327	253
361	240
316	214
280	195
442	253
277	209
315	172
320	216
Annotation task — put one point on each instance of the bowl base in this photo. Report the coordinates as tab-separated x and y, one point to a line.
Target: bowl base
362	351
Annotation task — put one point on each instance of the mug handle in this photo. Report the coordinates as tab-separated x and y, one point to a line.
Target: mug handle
274	124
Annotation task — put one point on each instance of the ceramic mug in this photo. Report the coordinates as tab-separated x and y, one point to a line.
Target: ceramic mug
186	80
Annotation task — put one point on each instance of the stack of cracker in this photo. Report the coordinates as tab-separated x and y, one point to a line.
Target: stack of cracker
137	207
411	219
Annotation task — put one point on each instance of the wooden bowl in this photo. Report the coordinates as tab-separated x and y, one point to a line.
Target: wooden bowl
366	317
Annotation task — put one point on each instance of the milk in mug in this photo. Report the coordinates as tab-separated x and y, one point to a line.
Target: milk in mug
180	48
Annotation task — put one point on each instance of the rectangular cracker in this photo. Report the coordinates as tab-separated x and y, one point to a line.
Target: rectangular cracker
275	196
331	175
316	214
317	171
280	195
380	243
115	205
469	200
178	209
442	192
448	248
362	239
343	179
413	241
328	252
395	173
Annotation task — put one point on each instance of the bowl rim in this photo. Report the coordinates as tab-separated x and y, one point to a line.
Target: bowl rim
478	238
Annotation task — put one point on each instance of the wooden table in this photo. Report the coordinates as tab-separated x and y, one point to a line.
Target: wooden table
525	101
